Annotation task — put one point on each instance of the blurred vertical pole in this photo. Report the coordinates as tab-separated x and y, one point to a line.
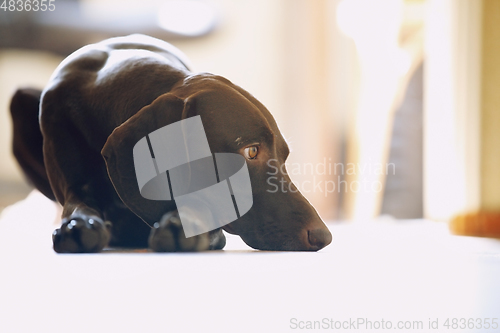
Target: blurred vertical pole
462	115
386	64
312	127
343	92
451	107
490	108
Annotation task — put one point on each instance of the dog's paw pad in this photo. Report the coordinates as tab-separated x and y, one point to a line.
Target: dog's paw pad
168	236
79	234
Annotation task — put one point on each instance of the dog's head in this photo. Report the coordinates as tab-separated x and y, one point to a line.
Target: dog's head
234	122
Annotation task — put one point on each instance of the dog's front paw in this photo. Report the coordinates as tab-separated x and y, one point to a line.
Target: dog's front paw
168	236
81	234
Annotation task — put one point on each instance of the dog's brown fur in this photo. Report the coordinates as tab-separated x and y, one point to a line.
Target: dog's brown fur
105	97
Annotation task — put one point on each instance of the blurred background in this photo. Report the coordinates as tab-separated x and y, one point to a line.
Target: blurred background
389	106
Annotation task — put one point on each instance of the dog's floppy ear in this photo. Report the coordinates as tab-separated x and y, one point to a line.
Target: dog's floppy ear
118	154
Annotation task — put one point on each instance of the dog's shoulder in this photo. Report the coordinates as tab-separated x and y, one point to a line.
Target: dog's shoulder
135	65
111	81
115	54
144	44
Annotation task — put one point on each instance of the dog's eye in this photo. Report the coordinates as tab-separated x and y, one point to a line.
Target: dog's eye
251	152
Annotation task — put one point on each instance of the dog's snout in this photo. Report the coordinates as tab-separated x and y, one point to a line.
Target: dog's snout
319	238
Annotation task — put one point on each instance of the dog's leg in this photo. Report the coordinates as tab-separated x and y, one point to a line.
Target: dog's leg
83	228
168	236
82	231
79	181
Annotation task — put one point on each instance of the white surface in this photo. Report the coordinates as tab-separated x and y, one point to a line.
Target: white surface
405	270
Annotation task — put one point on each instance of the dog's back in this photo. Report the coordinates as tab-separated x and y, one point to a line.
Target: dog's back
87	75
95	80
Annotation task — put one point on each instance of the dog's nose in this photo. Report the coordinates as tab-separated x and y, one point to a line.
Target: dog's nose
319	238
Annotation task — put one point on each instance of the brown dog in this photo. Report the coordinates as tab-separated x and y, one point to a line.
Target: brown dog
100	102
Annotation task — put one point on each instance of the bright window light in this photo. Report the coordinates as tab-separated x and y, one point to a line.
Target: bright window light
186	17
